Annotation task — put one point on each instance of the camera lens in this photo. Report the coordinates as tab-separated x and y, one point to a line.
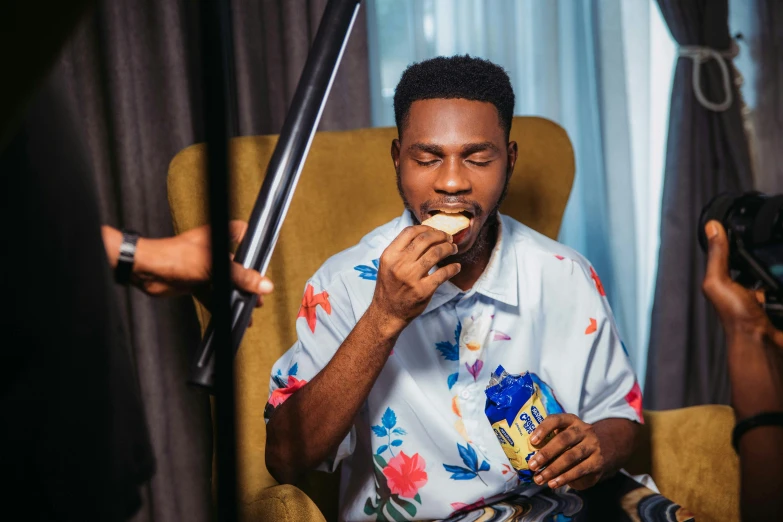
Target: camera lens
754	224
768	225
718	209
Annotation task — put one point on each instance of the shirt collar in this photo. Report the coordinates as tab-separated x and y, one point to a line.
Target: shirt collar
499	280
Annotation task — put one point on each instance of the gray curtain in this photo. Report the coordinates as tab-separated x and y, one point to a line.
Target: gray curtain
271	41
707	153
766	46
130	77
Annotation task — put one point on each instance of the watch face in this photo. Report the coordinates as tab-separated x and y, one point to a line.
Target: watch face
127	250
122	272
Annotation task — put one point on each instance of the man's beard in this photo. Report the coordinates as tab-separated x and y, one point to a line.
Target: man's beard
481	247
487	236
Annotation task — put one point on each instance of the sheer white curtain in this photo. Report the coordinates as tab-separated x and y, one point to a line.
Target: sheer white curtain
602	70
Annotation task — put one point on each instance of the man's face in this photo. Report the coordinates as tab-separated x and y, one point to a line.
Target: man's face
453	156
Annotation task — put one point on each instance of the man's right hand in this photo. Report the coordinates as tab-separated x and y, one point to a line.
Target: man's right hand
403	290
404	286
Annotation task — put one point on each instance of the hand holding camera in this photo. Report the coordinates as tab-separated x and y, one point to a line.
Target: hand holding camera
746	244
743	280
741	310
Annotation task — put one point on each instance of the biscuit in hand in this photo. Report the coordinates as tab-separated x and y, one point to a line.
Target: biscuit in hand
448	223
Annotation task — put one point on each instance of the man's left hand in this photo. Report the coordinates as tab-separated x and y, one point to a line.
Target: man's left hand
572	457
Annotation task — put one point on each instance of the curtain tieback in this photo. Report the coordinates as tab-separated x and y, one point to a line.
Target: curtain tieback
700	54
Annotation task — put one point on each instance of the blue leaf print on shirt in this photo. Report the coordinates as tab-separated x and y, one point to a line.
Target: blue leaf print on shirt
458	473
449	350
389	418
278	377
388	427
453	379
472	469
370	273
468	455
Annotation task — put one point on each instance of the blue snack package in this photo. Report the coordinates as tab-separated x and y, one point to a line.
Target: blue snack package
515	406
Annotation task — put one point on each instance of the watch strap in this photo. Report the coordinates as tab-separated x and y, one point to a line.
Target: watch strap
769	418
124	269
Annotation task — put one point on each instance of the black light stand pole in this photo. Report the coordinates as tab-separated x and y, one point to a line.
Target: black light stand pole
231	309
217	56
279	184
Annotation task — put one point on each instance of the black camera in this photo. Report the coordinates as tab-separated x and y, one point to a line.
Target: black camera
754	224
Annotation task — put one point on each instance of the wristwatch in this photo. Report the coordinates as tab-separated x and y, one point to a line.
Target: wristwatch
124	269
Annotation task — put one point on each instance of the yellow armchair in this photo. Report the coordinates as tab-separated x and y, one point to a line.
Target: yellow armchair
346	189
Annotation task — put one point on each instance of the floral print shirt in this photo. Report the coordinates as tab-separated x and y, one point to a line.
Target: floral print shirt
421	447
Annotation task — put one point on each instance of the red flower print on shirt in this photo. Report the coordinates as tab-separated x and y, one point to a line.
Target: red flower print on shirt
310	302
592	328
598	284
405	475
280	395
460	506
634	400
559	258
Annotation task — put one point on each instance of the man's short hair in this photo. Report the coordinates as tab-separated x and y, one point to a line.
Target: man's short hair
455	77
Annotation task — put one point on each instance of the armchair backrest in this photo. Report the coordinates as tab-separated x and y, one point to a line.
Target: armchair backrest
347	188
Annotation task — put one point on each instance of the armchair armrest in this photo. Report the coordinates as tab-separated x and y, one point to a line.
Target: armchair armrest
688	453
283	503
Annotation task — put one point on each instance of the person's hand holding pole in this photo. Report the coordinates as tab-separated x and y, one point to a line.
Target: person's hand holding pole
182	264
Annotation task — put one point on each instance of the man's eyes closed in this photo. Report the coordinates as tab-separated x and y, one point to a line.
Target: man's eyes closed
426	163
429	163
480	163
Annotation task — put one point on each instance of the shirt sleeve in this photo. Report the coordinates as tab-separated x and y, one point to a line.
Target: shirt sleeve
324	320
610	387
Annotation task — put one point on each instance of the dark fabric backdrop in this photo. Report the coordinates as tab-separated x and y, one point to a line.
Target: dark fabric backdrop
130	78
706	154
74	443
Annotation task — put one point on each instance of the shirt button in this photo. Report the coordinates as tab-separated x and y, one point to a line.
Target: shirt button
465	394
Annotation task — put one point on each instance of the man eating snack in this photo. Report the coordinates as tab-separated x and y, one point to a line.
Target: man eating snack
398	336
